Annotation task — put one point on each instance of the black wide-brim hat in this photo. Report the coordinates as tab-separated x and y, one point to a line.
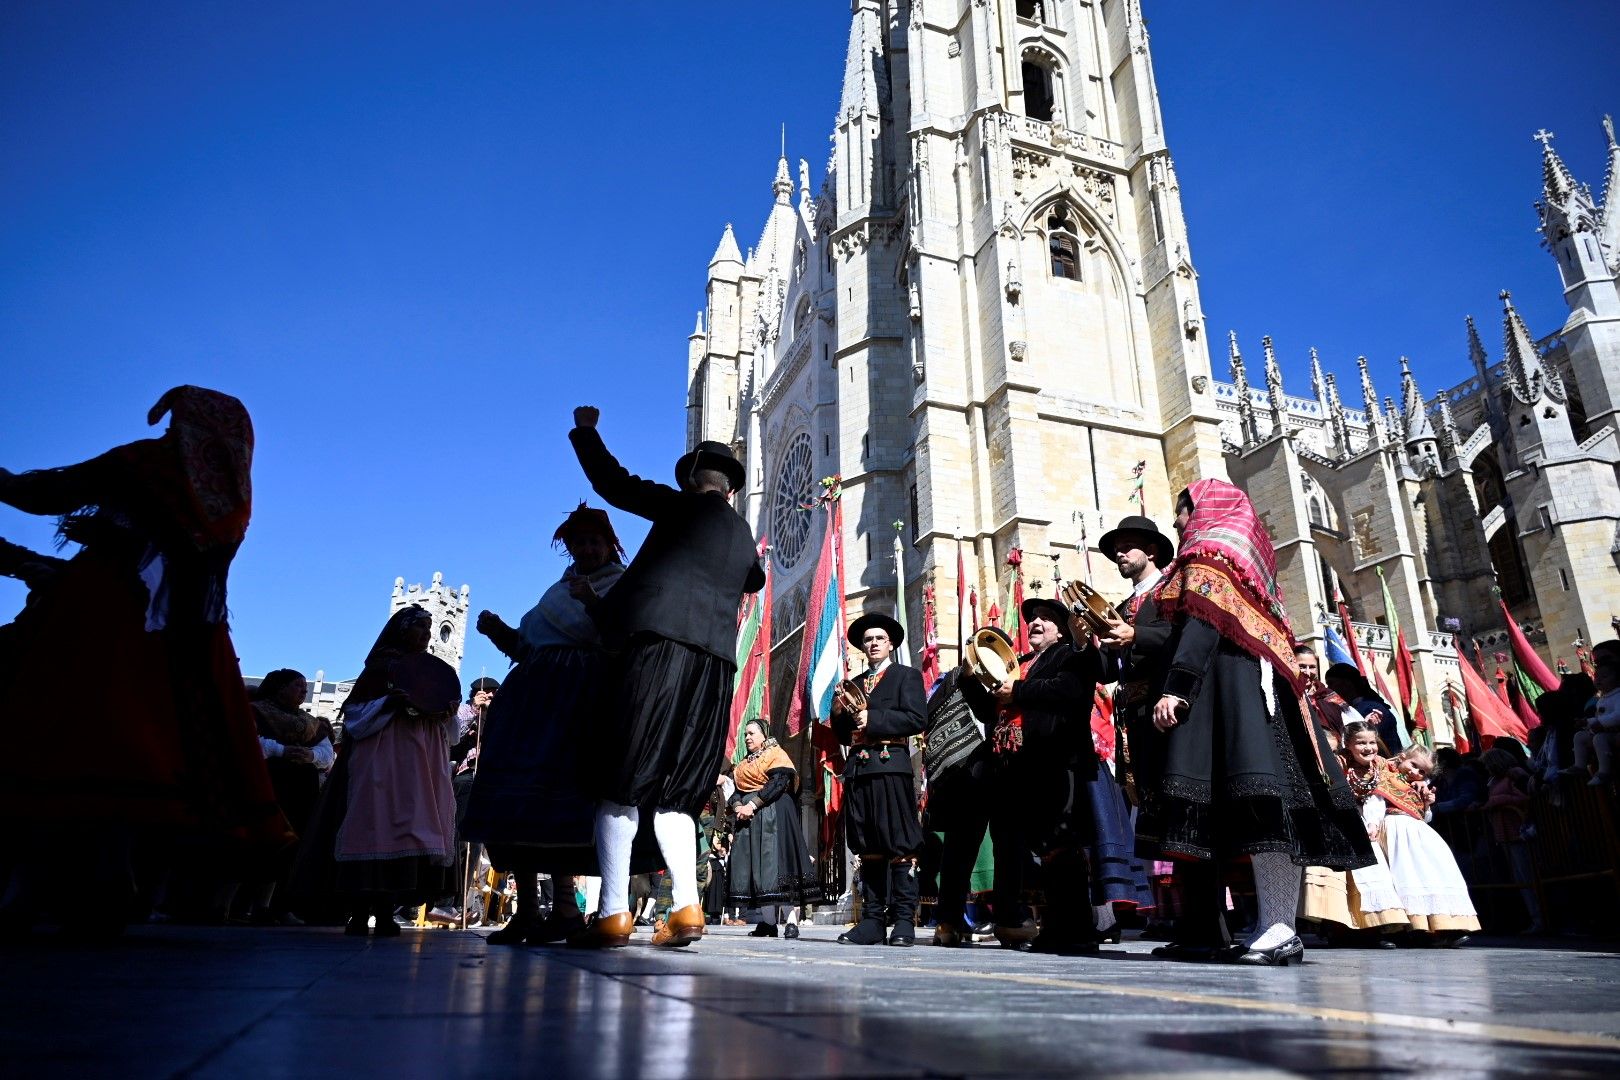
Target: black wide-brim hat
876	620
1143	526
1052	606
710	455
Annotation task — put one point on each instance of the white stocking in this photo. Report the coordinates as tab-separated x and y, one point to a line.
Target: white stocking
615	833
1276	886
677	839
1105	917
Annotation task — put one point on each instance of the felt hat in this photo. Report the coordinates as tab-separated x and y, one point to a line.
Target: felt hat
1143	526
710	455
876	620
1051	606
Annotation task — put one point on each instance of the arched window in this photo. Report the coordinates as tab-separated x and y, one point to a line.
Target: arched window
1027	9
1037	89
1063	244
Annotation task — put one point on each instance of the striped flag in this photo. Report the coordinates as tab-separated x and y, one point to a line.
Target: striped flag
751	693
821	655
1405	677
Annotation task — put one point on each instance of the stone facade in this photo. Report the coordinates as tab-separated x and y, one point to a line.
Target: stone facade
986	320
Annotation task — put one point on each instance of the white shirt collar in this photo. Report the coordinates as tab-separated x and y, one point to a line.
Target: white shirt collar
878	670
1152	579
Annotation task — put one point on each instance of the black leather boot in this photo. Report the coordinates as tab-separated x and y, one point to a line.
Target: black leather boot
874	897
903	903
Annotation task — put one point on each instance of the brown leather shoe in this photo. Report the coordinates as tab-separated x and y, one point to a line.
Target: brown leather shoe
684	926
1017	937
604	932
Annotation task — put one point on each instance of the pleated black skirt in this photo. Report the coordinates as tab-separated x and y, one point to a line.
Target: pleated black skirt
769	861
1230	780
665	725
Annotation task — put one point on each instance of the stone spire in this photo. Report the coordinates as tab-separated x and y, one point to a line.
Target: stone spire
1394	425
1450	441
1414	417
727	251
1274	389
1248	432
697	331
1565	206
1528	378
1369	398
783	184
1336	417
863	63
1318	385
1557	182
1609	217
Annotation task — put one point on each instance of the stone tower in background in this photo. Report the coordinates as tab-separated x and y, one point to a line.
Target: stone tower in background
983	321
449	610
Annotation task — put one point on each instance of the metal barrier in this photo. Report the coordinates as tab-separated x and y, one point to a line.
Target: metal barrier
1568	860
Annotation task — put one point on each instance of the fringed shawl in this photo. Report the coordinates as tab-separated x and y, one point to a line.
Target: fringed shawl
1226	574
752	771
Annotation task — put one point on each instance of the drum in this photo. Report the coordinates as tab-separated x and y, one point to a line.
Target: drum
428	684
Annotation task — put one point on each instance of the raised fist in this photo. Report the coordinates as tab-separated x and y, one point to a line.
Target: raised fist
586	416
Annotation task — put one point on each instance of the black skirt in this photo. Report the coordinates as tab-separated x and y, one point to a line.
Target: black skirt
1230	781
880	816
769	861
532	801
665	725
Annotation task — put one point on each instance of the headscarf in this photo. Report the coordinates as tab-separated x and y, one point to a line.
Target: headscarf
752	771
212	435
587	521
374	679
1226	574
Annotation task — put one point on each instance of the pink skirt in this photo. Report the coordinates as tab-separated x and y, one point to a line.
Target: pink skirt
400	801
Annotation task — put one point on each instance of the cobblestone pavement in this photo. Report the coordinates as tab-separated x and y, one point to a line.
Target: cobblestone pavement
240	1003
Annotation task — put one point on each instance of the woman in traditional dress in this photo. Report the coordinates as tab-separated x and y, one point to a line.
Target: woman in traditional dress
770	866
1431	887
530	802
298	752
386	822
1239	769
162	746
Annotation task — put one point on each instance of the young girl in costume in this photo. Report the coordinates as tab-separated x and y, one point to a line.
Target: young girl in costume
1430	885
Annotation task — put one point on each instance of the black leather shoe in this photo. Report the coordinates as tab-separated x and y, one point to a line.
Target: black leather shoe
904	934
763	930
791	931
1291	951
865	932
1114	935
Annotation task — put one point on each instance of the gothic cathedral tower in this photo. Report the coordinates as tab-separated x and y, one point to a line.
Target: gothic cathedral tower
984	320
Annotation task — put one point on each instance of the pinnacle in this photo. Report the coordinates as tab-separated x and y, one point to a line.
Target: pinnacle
727	251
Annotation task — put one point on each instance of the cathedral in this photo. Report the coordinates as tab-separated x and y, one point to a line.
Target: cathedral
986	321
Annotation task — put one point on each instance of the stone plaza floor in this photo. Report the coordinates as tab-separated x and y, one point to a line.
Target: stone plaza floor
262	1003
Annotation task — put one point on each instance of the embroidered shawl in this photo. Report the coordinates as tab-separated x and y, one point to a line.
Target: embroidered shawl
212	436
1396	790
289	727
1226	574
752	771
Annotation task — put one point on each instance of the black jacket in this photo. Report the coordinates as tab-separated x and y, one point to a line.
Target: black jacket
692	570
1055	698
1149	654
896	709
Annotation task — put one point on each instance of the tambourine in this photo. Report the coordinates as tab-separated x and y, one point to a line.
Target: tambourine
848	698
429	684
991	659
1091	606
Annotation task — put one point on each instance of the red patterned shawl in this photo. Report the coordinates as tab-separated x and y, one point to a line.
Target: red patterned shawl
1226	574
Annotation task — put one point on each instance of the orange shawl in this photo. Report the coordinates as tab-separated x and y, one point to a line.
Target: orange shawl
1396	791
752	771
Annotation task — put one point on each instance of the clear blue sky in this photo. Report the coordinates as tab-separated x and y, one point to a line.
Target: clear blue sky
411	237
